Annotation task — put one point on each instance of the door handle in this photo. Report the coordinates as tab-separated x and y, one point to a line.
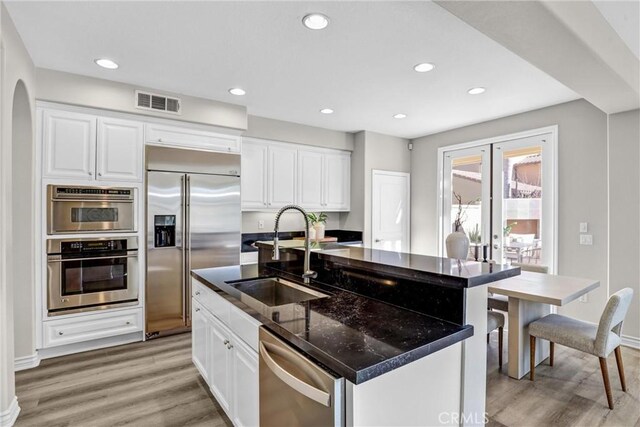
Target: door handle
379	240
496	246
295	383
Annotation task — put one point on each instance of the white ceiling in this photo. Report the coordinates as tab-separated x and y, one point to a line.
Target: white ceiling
624	17
361	65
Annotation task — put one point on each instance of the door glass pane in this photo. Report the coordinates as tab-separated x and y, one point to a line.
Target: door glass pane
466	199
522	205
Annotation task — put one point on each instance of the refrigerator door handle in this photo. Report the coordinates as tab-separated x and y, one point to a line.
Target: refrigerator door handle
184	247
187	244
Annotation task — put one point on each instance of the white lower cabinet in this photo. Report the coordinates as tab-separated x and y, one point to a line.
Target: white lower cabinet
225	360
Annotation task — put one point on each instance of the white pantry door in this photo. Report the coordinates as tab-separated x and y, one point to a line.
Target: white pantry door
390	207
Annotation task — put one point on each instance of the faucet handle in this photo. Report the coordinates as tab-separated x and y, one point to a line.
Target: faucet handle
309	274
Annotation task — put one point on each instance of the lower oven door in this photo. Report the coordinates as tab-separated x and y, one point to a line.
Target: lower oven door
91	282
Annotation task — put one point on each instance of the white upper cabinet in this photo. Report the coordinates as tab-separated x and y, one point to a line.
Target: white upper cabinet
310	178
282	176
275	174
337	179
88	147
119	150
183	137
69	145
253	176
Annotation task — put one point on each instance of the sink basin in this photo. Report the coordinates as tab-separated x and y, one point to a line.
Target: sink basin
275	292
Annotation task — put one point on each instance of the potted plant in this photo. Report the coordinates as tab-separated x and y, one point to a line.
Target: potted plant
506	231
318	221
457	242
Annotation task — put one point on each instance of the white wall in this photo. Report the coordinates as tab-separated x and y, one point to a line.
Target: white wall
278	130
582	187
67	88
372	151
17	66
624	211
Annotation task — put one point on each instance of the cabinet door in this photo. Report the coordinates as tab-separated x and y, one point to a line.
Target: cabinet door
253	177
120	145
193	138
245	382
221	360
282	176
199	337
337	181
310	179
69	145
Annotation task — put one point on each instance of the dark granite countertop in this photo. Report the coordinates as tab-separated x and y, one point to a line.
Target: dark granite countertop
356	337
441	271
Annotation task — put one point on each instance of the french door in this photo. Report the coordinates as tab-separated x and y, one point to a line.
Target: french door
504	193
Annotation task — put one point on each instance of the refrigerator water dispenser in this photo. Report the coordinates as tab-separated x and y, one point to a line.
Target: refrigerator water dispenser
165	231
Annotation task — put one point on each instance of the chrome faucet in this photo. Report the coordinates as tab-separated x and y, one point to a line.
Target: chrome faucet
308	274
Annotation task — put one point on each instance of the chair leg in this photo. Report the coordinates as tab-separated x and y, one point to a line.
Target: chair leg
605	379
500	347
532	360
551	345
620	368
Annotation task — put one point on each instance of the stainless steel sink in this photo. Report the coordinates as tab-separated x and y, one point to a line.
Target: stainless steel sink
275	292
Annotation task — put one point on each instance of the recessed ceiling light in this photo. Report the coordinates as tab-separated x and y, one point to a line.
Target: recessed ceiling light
326	111
106	63
399	116
476	91
315	21
424	67
237	91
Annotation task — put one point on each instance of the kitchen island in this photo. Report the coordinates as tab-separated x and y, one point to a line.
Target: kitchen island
385	321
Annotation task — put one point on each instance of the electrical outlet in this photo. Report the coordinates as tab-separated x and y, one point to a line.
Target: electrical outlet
584	298
586	239
584	227
260	225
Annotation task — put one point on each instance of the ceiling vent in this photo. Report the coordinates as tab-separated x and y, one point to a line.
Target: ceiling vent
155	102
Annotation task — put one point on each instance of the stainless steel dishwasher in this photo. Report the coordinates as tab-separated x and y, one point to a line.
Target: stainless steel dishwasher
295	391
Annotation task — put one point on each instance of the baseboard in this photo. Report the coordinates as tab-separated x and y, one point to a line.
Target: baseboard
629	341
26	362
48	353
9	416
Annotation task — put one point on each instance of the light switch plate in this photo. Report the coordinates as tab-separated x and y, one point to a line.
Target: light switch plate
586	239
260	225
584	227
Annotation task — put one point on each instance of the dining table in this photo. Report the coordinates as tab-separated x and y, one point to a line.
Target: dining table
531	296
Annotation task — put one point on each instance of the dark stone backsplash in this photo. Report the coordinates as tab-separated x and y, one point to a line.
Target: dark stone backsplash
248	239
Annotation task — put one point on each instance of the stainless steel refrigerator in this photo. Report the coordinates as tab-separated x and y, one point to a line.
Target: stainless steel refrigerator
193	221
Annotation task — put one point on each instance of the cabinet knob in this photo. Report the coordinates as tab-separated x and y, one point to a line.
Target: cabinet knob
229	347
226	342
60	333
159	139
90	173
128	322
99	173
197	310
197	292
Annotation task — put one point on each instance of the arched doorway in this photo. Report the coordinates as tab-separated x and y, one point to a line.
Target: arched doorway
22	226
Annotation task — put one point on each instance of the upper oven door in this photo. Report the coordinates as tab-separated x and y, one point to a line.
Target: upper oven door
79	216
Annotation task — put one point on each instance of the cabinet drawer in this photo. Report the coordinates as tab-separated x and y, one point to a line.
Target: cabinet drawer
167	135
210	300
245	327
91	327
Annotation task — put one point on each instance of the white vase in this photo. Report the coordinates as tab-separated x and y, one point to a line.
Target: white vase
319	227
312	233
457	245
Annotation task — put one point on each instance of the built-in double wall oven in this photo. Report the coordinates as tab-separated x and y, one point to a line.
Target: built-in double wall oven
91	273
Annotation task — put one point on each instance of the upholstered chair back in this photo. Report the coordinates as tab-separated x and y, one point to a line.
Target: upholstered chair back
612	318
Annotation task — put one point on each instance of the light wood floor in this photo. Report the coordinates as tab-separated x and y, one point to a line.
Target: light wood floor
570	393
142	384
155	384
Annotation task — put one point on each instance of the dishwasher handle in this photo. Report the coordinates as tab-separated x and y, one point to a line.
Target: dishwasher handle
292	381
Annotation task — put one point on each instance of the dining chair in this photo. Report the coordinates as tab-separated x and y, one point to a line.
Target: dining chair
495	320
599	340
501	302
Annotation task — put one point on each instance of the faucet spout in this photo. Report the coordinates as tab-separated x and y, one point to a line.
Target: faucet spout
308	273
